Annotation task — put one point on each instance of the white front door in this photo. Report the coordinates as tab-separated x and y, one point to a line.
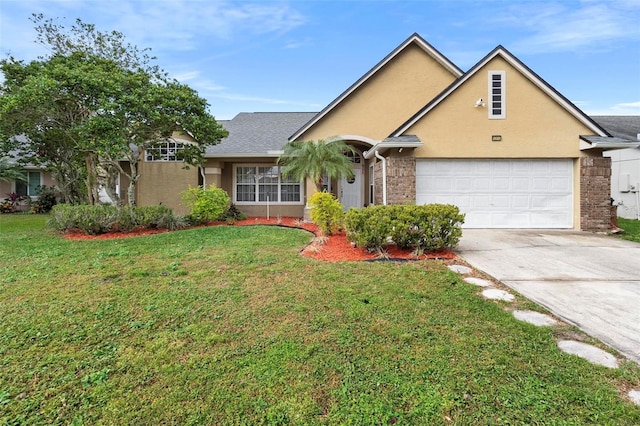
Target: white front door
351	190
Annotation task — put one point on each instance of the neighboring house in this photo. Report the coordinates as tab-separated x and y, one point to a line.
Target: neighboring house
497	141
36	178
625	164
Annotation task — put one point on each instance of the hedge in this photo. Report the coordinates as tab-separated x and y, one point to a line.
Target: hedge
100	219
424	228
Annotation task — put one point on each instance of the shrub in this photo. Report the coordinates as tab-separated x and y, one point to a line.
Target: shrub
368	227
46	200
93	220
233	214
12	202
424	228
326	212
205	204
96	220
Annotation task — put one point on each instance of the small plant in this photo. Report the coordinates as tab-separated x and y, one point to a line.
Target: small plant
11	203
206	204
326	212
232	214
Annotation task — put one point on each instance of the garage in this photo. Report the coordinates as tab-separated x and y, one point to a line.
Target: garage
497	193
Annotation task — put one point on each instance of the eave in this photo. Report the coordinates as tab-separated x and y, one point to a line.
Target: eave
588	142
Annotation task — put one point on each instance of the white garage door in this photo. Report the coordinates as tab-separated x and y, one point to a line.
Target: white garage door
501	193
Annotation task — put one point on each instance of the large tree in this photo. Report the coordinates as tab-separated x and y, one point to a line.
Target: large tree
94	102
315	159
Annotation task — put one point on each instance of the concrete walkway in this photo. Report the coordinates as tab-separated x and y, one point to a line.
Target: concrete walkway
592	281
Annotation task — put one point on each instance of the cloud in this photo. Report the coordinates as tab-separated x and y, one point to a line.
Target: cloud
554	27
172	25
625	108
257	99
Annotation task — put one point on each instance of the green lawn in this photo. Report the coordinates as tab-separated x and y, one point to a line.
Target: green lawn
631	229
229	325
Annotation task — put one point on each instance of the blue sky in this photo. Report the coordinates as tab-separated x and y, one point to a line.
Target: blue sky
245	56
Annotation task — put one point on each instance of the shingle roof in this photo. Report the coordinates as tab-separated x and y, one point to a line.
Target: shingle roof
621	126
258	133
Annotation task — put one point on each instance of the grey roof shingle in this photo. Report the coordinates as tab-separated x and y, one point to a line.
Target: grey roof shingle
258	133
621	126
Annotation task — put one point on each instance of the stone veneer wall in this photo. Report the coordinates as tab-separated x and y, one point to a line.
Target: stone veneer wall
595	194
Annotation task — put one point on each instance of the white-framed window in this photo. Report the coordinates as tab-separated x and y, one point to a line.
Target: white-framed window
165	151
497	95
31	187
257	184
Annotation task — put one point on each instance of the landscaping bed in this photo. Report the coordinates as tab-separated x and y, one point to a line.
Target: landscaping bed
332	248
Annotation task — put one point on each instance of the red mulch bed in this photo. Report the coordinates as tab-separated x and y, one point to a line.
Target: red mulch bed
333	248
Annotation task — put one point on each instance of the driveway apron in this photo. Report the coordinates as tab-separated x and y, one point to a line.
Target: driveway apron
589	280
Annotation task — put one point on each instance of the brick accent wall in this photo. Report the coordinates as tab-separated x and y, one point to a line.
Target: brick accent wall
401	180
377	183
595	194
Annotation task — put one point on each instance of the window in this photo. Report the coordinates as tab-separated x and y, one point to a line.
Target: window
31	187
165	151
497	95
262	184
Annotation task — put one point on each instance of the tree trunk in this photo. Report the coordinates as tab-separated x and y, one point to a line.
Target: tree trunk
133	180
92	190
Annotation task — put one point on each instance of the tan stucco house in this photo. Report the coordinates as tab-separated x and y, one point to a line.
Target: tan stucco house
497	141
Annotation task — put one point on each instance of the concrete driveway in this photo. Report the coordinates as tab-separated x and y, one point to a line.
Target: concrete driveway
590	280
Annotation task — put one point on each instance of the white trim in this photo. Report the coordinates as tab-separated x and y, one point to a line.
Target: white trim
503	95
415	38
234	184
358	138
500	51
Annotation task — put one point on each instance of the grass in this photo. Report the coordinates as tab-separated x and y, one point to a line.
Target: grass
631	229
229	325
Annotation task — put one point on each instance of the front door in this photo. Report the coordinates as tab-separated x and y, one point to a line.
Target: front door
351	190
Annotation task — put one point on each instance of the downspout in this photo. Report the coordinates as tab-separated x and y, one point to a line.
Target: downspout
204	177
384	176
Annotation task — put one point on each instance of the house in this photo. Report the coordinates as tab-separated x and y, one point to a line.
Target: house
625	164
497	141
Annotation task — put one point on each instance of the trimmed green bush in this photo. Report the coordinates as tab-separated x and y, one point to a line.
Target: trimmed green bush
368	227
206	204
425	228
326	212
95	220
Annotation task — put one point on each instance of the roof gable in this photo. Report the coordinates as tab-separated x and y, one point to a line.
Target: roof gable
414	39
503	53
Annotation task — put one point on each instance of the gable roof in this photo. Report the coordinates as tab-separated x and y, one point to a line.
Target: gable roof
621	126
524	70
257	134
413	39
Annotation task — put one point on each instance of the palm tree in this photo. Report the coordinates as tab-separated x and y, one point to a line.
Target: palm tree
10	171
313	159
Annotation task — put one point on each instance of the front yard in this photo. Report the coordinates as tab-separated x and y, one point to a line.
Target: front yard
229	325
